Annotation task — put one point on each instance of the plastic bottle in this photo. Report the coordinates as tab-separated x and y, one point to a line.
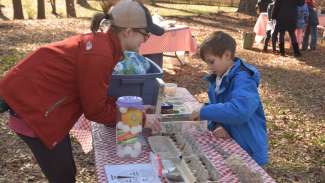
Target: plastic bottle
128	129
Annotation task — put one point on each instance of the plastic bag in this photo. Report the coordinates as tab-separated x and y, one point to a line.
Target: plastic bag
133	63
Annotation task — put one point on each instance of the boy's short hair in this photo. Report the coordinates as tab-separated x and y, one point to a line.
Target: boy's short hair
217	44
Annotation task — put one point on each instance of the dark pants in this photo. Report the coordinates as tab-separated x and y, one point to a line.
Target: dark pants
293	42
274	36
267	39
57	164
312	31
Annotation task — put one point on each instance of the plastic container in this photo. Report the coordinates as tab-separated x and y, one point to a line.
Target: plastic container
166	108
129	126
170	89
141	85
157	58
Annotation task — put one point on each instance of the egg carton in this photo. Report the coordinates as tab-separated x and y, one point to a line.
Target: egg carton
199	163
190	149
193	165
243	172
167	150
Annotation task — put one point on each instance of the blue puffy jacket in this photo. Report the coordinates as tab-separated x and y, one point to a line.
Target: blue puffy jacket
238	108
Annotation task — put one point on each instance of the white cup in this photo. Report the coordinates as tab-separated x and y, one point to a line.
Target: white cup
170	89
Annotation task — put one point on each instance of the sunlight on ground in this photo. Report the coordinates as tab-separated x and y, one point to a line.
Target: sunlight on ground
292	90
187	10
30	9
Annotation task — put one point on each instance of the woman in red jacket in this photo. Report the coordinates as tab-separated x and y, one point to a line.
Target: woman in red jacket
49	90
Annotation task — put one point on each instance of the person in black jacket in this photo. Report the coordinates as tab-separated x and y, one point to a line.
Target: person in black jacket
285	14
262	5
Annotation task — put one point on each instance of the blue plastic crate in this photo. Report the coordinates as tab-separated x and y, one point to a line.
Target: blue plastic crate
142	85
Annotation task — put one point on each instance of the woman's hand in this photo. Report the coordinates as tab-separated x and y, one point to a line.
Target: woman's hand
153	122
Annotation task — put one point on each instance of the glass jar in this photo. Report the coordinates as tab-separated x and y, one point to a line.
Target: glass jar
129	126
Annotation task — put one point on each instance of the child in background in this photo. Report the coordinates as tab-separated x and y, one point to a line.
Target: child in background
302	19
270	29
311	29
234	108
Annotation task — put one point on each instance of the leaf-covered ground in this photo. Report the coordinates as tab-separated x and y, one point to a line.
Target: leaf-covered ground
292	91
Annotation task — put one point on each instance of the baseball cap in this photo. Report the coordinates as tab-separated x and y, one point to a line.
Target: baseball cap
133	14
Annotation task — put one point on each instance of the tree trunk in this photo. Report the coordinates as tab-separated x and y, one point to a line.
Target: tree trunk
247	7
40	9
71	11
53	7
18	9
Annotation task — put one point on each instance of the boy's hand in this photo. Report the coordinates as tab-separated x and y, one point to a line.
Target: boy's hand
220	132
195	116
153	122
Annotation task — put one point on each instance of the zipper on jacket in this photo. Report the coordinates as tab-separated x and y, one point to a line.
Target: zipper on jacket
55	105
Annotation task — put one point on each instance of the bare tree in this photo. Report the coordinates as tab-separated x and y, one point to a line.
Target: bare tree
71	11
247	6
40	9
18	9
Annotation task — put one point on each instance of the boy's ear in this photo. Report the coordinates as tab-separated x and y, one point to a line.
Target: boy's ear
227	55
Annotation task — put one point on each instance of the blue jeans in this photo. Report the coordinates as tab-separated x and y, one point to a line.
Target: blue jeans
312	31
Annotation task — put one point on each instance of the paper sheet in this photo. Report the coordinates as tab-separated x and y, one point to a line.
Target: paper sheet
131	173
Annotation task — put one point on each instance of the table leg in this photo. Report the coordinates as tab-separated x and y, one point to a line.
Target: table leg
186	57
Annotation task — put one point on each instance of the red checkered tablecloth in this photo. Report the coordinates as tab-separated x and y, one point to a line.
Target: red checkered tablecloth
205	141
105	153
105	150
82	132
178	38
102	139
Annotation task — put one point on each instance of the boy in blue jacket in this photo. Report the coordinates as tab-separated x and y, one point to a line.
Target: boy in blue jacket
234	105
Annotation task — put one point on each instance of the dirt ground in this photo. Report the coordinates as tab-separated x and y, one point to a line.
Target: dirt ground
292	91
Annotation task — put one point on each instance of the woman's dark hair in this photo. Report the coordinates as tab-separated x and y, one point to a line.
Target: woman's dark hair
97	19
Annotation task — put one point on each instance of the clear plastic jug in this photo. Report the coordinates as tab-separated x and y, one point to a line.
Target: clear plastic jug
129	126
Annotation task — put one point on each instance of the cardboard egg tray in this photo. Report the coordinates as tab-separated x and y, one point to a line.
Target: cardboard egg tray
196	161
182	150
